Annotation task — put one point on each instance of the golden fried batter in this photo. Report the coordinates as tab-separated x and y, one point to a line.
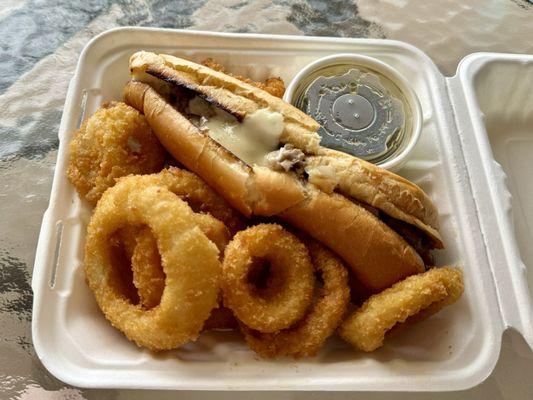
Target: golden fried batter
212	215
116	141
307	336
267	278
413	299
189	261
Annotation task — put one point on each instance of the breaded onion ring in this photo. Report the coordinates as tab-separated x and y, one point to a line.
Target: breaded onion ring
140	244
148	276
201	198
416	297
308	335
115	141
149	279
189	259
289	285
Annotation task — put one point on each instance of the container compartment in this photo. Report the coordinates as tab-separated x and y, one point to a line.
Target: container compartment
453	350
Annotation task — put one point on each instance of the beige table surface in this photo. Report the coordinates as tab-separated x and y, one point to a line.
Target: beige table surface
40	41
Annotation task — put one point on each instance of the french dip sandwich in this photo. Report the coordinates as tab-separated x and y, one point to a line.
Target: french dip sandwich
264	157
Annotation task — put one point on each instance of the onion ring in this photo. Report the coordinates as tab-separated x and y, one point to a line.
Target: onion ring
148	276
115	141
415	298
201	198
289	285
307	335
189	259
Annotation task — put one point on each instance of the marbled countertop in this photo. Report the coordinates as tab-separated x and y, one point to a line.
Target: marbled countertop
40	41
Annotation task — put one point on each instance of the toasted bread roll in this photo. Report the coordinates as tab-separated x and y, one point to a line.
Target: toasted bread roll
251	190
226	131
376	254
233	95
377	187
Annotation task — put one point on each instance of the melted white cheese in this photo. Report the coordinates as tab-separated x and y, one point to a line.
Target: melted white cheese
251	140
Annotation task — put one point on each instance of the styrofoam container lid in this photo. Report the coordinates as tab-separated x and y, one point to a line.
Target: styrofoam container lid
491	94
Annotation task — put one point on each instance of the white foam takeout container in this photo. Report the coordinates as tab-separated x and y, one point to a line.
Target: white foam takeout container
473	159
